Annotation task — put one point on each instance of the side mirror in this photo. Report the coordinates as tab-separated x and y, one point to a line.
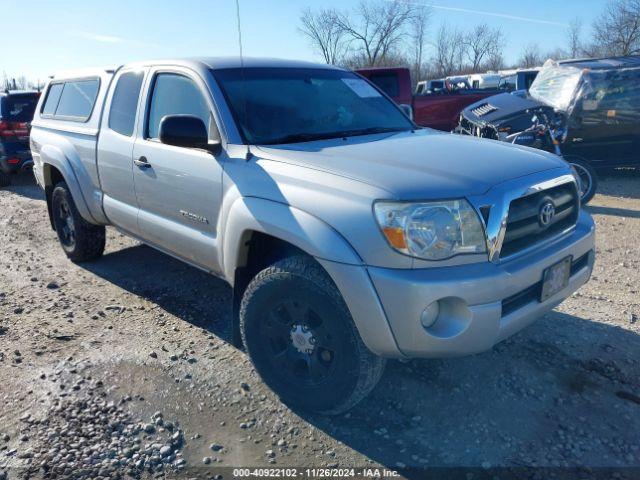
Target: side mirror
186	131
408	111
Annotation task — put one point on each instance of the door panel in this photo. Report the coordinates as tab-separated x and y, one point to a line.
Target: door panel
179	189
604	127
115	146
179	198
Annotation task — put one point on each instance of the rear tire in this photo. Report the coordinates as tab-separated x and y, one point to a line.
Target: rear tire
588	177
302	341
5	180
80	240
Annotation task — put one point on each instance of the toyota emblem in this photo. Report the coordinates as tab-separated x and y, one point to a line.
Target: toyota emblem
547	212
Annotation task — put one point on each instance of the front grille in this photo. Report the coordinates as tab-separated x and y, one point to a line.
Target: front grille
484	109
466	125
524	223
476	130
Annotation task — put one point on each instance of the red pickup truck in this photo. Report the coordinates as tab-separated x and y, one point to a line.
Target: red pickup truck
437	110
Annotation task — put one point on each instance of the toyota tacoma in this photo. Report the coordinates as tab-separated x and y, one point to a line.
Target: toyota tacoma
349	234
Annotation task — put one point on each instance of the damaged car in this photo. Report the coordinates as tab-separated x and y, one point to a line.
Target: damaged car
587	111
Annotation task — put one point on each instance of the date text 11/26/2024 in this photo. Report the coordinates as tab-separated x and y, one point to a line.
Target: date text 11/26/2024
314	473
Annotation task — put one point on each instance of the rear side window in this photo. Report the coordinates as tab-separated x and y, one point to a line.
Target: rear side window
175	94
77	99
72	100
387	82
122	115
53	97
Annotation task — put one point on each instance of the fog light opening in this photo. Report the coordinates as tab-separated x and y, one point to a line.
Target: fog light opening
430	314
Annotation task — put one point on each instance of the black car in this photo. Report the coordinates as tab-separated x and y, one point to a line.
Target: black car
593	103
16	113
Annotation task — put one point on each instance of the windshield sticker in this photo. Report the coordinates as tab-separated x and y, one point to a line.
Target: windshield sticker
361	87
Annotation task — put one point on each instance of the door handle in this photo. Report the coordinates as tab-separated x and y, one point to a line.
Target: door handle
142	162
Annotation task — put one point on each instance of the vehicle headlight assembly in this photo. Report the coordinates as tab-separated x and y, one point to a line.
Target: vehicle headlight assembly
431	230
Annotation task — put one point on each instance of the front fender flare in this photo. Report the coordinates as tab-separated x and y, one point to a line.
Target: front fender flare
318	239
297	227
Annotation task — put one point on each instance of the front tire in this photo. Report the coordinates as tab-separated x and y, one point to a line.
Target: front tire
588	177
80	240
302	341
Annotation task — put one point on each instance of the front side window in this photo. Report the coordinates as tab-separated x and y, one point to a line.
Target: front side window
77	99
288	105
610	97
122	114
175	94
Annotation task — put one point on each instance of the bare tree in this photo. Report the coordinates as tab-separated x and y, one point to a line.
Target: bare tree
617	30
418	39
482	42
557	53
574	37
495	62
531	56
377	28
21	82
449	48
325	34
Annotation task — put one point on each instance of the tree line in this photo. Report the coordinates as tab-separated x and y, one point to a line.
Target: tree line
19	82
378	33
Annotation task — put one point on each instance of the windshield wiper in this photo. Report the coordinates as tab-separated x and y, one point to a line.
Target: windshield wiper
309	137
372	130
300	137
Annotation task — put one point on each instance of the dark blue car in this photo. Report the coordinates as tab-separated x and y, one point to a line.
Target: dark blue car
16	112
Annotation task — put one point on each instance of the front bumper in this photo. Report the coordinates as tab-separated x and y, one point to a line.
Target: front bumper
480	304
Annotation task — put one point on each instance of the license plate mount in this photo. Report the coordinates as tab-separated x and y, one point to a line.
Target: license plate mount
555	278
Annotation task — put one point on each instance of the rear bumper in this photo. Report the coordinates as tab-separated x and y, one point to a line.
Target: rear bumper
15	162
480	304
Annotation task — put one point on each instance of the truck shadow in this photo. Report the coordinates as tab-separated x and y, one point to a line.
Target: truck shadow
520	404
184	291
25	185
527	401
622	182
618	212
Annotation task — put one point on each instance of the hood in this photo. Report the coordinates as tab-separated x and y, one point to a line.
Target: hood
498	108
421	165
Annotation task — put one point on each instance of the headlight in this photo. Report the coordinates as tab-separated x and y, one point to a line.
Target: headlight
431	230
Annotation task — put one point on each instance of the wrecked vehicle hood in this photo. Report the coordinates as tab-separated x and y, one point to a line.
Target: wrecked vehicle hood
499	108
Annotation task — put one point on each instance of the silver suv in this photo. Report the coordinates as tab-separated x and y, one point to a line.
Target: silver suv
349	234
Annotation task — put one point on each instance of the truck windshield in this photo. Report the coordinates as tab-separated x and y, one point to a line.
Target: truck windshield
556	86
282	105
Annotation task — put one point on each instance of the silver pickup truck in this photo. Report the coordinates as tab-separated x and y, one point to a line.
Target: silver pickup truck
349	234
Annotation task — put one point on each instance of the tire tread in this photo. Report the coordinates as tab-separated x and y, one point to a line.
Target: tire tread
90	239
371	366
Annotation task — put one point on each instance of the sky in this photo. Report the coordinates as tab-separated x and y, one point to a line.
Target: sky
41	37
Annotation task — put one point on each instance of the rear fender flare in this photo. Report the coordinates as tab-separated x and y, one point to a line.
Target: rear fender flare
54	157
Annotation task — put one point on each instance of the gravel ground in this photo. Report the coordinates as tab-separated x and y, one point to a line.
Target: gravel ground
123	367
